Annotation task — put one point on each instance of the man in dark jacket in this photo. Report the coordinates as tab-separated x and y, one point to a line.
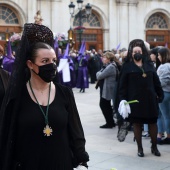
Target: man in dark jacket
94	65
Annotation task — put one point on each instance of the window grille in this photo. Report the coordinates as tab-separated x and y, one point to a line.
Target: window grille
8	16
91	21
157	21
87	37
155	38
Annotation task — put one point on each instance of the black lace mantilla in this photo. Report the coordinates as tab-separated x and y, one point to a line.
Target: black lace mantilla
38	33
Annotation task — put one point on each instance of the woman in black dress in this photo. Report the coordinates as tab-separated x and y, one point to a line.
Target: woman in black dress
139	81
40	125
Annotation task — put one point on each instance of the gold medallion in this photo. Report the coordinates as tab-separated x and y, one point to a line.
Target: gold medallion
144	75
47	131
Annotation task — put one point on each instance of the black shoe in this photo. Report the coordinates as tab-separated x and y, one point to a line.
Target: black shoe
80	90
106	126
155	151
122	132
140	154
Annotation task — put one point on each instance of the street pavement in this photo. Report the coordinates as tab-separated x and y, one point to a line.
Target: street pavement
105	151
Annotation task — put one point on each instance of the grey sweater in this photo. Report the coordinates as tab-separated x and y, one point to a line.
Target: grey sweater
164	76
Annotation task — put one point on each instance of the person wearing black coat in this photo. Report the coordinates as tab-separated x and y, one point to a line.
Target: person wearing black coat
40	127
139	81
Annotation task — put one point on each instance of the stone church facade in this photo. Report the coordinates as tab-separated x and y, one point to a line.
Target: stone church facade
112	22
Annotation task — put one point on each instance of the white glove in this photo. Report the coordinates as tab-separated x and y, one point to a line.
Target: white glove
124	109
81	167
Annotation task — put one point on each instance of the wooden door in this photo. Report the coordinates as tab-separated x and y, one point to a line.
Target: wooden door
158	38
92	37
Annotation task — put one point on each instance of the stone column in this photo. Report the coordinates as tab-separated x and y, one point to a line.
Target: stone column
113	22
106	39
45	7
60	16
31	10
127	19
123	24
132	24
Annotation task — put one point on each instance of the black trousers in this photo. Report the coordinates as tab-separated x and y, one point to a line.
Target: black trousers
93	75
107	111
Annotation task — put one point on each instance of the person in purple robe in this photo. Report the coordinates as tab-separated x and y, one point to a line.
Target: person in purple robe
82	79
8	60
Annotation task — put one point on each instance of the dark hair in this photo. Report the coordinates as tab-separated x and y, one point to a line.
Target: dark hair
34	49
165	54
155	51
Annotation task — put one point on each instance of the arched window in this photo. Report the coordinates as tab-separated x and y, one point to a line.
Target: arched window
157	21
7	16
91	21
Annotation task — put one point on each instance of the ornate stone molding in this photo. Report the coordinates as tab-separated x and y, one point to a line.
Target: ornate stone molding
127	2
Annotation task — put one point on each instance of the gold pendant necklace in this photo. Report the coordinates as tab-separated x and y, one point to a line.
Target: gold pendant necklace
47	131
144	75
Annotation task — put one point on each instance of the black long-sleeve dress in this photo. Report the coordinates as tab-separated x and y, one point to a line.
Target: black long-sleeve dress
34	151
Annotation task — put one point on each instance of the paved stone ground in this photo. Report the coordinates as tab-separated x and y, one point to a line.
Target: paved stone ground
105	150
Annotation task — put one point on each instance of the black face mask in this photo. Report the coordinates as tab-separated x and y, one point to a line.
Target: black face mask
47	72
138	56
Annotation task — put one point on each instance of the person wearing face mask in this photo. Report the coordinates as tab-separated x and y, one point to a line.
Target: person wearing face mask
40	127
139	81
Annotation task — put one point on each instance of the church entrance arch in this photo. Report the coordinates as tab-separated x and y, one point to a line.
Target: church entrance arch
92	34
9	23
157	30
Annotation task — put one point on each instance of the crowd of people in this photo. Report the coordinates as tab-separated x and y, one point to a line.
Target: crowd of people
115	72
40	127
137	73
83	66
